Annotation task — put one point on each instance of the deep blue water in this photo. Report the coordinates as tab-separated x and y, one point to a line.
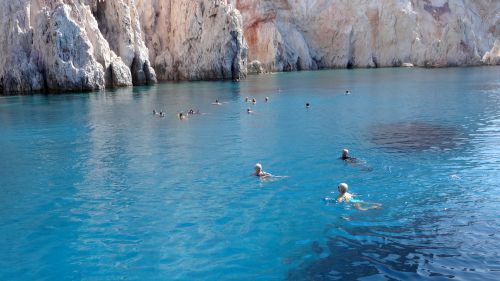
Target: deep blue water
94	187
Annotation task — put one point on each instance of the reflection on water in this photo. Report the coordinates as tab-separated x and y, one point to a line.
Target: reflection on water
94	186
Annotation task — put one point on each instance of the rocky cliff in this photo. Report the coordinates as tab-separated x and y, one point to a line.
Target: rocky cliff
94	44
309	34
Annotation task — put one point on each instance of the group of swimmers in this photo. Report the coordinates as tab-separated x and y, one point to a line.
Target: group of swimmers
183	115
344	195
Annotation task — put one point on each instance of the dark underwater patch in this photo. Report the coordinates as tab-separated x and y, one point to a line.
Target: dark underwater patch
414	136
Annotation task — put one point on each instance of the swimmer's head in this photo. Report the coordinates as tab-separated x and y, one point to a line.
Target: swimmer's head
345	153
308	105
343	187
258	167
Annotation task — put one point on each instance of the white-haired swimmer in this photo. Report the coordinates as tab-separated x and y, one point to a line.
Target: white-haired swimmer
259	172
345	196
345	155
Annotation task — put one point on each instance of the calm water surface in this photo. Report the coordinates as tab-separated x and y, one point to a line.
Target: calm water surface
94	187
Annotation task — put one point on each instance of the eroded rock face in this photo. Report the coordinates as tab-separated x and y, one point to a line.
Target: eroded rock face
119	23
63	51
93	44
193	40
308	34
58	45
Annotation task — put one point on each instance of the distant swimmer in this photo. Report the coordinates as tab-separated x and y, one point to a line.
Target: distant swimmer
308	105
267	99
345	196
191	112
162	114
254	101
355	161
217	102
182	116
246	99
347	92
346	157
154	112
249	110
259	172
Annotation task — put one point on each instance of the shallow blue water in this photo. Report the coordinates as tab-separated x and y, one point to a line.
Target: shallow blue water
94	187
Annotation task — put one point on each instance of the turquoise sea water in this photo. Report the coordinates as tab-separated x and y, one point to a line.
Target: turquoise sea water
94	187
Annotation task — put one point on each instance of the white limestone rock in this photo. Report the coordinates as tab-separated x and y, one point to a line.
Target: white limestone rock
255	67
17	72
64	53
309	34
119	24
194	40
492	57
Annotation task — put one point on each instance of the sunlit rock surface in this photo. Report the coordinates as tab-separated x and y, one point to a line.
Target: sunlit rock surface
192	40
96	44
310	34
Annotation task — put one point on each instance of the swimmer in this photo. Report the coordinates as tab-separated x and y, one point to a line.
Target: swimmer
347	92
259	172
249	110
345	156
254	101
162	114
154	112
191	112
246	99
345	196
308	105
217	102
182	116
354	161
267	99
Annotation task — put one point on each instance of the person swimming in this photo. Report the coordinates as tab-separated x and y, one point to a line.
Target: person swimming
246	99
254	101
308	105
249	110
347	92
267	99
162	114
345	155
217	102
259	172
154	112
182	116
345	196
191	112
355	161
